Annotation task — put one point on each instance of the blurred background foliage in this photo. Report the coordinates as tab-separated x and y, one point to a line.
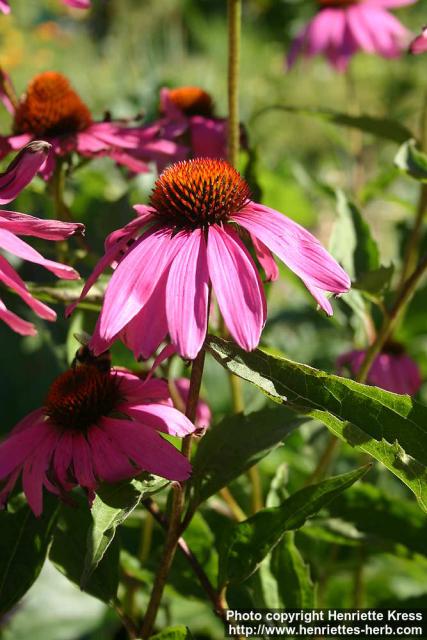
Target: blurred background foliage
118	56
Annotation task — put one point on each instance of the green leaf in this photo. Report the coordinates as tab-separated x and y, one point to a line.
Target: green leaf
68	553
390	427
391	520
24	541
236	444
295	586
244	545
352	243
112	505
375	282
412	161
385	128
179	632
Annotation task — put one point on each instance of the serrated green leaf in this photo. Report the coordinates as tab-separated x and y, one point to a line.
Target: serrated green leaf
412	161
352	243
390	427
112	505
179	632
68	553
24	541
236	444
292	574
375	282
385	128
244	545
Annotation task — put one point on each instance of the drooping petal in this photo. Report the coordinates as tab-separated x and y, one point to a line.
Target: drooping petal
266	260
148	449
34	471
298	248
16	323
25	225
82	462
110	463
11	279
419	44
22	170
17	447
237	287
203	412
78	4
10	242
4	6
62	460
187	293
135	390
133	282
161	417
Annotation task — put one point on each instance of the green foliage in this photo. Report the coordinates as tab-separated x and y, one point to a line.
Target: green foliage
69	551
236	444
391	428
24	542
292	575
179	632
244	545
412	161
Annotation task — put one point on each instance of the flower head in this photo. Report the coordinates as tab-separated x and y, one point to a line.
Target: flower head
392	370
419	44
12	225
341	28
189	115
53	110
95	425
189	242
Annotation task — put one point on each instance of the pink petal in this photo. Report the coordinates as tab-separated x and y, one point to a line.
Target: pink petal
148	449
22	170
161	417
16	323
82	462
134	281
208	137
203	412
298	248
265	259
4	6
7	90
17	447
110	464
237	286
167	352
78	4
11	279
419	45
187	294
18	247
34	471
26	225
62	460
135	390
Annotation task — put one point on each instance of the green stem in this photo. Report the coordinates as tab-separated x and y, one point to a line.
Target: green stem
234	28
175	529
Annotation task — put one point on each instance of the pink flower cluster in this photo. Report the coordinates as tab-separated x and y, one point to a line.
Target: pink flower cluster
76	4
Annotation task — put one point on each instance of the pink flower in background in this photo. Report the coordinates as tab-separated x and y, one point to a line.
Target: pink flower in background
51	109
188	114
94	426
392	369
19	173
419	44
203	412
343	27
162	281
76	4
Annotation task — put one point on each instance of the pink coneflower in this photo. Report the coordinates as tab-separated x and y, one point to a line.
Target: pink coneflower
162	281
342	27
76	4
188	114
419	44
94	426
19	173
51	109
392	369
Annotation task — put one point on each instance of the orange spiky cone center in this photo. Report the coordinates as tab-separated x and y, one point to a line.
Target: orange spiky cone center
192	101
197	193
51	107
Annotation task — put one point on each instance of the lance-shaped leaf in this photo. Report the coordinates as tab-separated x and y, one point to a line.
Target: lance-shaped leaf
236	444
24	540
68	553
412	161
179	632
385	128
292	574
244	545
390	427
112	505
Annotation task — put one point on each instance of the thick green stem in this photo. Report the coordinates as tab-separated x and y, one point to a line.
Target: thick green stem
234	27
174	530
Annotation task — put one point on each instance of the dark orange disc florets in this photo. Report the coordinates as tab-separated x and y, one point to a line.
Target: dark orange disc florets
192	101
51	107
197	193
81	396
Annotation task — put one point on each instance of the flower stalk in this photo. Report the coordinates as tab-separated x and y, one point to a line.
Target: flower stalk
234	30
